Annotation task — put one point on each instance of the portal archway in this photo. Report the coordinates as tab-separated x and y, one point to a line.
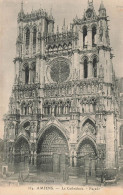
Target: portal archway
52	151
22	154
87	156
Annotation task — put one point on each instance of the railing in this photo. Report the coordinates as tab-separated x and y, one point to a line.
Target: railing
52	38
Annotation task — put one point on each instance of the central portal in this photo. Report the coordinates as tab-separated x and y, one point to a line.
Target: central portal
87	156
52	151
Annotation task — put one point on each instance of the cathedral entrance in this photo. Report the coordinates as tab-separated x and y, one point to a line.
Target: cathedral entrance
86	158
22	155
52	152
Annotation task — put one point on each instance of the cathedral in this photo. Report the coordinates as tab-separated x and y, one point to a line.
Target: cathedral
64	107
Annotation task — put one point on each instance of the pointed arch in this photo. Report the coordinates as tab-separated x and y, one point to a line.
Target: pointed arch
34	36
87	139
21	137
88	118
94	59
94	33
22	154
56	126
52	144
84	36
49	129
25	73
93	56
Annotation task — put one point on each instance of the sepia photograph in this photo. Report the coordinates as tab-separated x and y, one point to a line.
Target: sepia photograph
61	96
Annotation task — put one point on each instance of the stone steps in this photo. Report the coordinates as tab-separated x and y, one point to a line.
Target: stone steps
73	172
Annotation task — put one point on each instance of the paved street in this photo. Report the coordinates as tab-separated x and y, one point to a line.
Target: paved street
50	178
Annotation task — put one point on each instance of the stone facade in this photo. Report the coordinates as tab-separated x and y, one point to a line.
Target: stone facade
64	106
120	125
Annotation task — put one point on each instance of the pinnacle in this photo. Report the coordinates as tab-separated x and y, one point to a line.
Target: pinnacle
90	3
102	5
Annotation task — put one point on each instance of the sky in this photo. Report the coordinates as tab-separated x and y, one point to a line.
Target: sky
61	9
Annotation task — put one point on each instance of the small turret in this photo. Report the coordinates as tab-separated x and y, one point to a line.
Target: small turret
90	3
22	10
22	6
102	10
51	23
64	26
21	13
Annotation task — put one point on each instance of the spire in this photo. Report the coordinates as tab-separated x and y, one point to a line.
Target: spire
102	10
40	5
64	22
101	6
21	6
51	11
64	26
51	16
57	29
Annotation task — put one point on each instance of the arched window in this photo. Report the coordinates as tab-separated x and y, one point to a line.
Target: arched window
34	37
85	68
26	75
27	37
121	135
55	110
84	37
95	67
94	31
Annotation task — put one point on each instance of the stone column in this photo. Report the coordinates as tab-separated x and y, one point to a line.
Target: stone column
50	110
64	110
35	157
24	40
89	37
41	71
81	71
76	65
80	39
37	41
37	79
93	162
71	161
31	44
53	109
97	36
17	64
75	161
110	142
30	74
91	108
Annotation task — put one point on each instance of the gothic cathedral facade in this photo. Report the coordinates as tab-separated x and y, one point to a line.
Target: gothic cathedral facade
63	108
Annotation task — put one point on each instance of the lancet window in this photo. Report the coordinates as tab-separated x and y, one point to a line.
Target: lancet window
85	37
34	37
27	74
85	68
95	67
94	31
27	37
